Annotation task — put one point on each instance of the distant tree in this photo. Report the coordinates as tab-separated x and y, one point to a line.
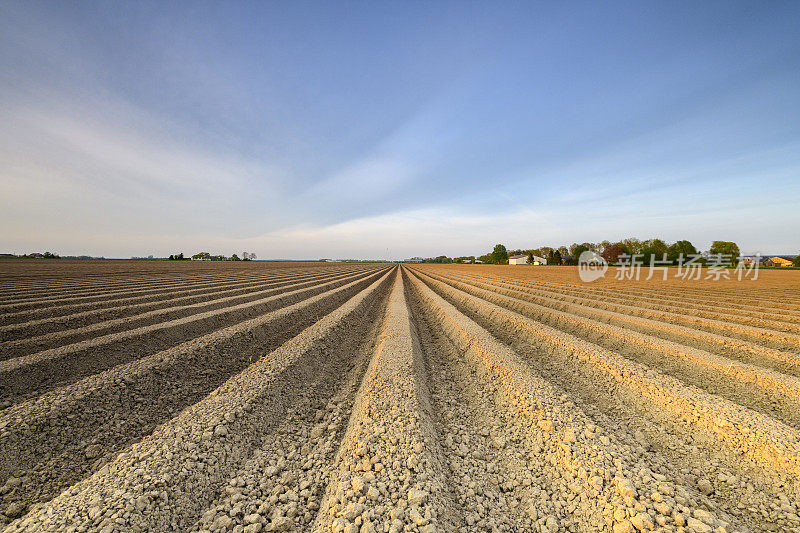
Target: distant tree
681	247
531	257
235	257
171	257
485	258
564	251
551	256
546	252
633	245
725	248
557	258
499	255
653	250
578	249
612	251
179	256
796	261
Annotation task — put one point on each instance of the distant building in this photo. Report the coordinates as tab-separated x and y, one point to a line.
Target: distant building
778	261
522	259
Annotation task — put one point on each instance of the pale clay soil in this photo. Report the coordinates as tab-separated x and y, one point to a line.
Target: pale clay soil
249	397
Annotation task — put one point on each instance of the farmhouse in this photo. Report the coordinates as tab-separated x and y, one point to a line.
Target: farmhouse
778	261
522	259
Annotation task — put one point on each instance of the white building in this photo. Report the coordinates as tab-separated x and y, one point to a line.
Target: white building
522	259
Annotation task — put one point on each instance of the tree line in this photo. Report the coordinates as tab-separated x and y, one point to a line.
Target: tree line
646	251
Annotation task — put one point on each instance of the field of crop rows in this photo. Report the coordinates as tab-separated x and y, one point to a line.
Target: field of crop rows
247	397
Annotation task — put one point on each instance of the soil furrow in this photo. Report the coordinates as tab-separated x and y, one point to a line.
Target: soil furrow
726	346
750	445
774	339
389	473
770	392
33	343
591	481
688	301
60	311
46	440
128	291
79	318
30	375
166	481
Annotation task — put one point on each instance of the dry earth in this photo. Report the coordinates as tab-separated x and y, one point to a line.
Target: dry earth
247	397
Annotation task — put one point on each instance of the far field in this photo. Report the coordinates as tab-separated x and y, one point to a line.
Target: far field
247	397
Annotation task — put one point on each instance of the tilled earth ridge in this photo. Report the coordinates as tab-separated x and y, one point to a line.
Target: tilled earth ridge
194	454
735	310
50	307
759	388
103	297
772	338
785	362
154	291
57	366
36	342
81	319
389	474
602	483
88	422
363	397
770	489
726	426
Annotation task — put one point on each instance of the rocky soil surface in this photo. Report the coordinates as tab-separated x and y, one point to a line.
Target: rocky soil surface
250	397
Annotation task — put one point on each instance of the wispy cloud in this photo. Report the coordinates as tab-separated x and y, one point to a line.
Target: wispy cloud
144	129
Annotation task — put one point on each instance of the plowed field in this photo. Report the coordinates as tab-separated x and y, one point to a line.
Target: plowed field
247	397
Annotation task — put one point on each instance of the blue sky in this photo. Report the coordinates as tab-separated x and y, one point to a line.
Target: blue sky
386	130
